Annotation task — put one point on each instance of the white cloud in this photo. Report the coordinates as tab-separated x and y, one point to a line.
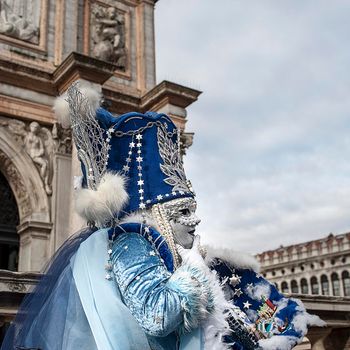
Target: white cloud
273	122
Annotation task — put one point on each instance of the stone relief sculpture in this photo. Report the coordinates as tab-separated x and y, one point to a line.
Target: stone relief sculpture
17	19
38	144
108	35
62	139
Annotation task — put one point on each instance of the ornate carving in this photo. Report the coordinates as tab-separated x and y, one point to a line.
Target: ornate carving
16	183
62	139
186	139
20	19
17	287
38	144
107	39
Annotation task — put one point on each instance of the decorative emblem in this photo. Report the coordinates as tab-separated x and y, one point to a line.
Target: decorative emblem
172	165
247	305
238	292
235	280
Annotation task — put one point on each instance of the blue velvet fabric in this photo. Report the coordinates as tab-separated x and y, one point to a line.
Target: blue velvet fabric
142	280
159	300
156	190
151	234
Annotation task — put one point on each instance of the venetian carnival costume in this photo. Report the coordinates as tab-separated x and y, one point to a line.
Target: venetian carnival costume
137	278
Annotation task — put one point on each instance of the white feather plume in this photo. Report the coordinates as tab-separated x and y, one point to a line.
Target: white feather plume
61	108
236	259
102	205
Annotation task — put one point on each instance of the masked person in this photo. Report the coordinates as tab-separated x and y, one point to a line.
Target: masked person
137	277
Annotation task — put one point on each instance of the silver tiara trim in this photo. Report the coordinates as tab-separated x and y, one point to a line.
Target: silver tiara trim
172	164
88	137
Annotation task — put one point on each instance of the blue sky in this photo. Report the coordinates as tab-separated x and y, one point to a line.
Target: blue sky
271	156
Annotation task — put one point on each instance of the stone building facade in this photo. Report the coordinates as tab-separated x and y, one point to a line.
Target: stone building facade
45	45
318	272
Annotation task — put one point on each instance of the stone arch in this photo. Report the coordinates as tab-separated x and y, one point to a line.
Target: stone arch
324	285
33	203
335	284
284	287
294	287
304	286
24	180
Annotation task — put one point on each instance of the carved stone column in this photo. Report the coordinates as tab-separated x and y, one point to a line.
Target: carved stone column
34	245
61	184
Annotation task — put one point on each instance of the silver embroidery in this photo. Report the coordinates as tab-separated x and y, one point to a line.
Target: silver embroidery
88	136
172	165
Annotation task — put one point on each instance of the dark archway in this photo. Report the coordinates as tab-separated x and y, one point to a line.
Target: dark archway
9	219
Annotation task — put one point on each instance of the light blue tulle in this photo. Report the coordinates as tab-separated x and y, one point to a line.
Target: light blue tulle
75	307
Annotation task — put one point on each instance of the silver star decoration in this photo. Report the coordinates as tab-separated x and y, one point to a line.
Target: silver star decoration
247	305
138	137
126	168
141	190
140	182
238	292
110	130
224	281
139	159
159	197
142	206
147	229
181	192
132	144
234	280
249	285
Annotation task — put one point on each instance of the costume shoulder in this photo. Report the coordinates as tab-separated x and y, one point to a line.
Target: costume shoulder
277	321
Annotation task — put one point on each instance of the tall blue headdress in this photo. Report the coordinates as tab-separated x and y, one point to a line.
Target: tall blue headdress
143	148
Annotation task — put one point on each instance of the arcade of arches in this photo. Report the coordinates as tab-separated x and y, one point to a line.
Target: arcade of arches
318	272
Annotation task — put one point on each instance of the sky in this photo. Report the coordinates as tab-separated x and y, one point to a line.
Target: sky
270	162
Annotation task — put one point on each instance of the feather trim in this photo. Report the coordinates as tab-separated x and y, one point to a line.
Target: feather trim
203	300
102	205
236	259
216	325
191	284
61	107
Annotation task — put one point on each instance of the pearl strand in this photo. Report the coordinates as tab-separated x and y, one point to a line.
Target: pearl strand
158	213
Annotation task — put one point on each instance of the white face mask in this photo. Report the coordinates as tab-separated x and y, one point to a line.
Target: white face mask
183	220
